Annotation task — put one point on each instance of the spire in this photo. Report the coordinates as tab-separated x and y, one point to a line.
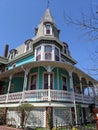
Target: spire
47	17
48	3
47	26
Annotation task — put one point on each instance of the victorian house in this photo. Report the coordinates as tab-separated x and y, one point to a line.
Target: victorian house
42	71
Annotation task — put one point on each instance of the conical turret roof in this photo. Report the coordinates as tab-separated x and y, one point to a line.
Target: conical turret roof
47	19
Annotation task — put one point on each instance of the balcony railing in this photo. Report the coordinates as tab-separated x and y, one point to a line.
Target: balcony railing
43	95
84	99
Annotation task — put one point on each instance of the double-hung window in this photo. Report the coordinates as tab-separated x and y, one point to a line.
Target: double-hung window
48	52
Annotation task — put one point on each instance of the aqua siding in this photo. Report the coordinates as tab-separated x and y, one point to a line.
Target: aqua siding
63	72
34	70
6	85
18	83
55	78
41	70
23	61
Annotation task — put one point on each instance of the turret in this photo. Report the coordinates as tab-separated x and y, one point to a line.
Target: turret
47	26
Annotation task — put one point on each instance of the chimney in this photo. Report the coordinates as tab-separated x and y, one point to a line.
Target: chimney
6	50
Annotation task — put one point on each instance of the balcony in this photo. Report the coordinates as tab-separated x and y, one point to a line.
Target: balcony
47	95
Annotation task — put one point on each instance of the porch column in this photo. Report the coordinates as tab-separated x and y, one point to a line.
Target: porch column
73	95
25	82
94	89
80	84
82	117
88	88
10	79
49	70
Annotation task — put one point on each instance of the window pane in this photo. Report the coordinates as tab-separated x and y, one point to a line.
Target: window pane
33	82
64	87
48	50
56	54
38	50
47	29
38	53
46	81
27	46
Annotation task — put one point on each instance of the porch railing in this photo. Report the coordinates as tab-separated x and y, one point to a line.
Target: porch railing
84	99
43	95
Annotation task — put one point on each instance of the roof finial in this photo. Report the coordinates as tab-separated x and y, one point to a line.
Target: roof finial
48	3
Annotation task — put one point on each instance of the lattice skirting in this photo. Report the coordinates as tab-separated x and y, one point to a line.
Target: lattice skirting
62	116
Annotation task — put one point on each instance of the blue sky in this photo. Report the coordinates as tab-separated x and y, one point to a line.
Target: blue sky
18	19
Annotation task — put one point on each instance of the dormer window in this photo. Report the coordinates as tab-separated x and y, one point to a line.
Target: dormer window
27	44
13	53
65	50
48	29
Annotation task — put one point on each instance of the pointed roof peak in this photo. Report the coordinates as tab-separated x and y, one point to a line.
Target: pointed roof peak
48	3
47	17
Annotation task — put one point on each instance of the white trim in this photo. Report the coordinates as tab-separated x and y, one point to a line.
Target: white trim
40	104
